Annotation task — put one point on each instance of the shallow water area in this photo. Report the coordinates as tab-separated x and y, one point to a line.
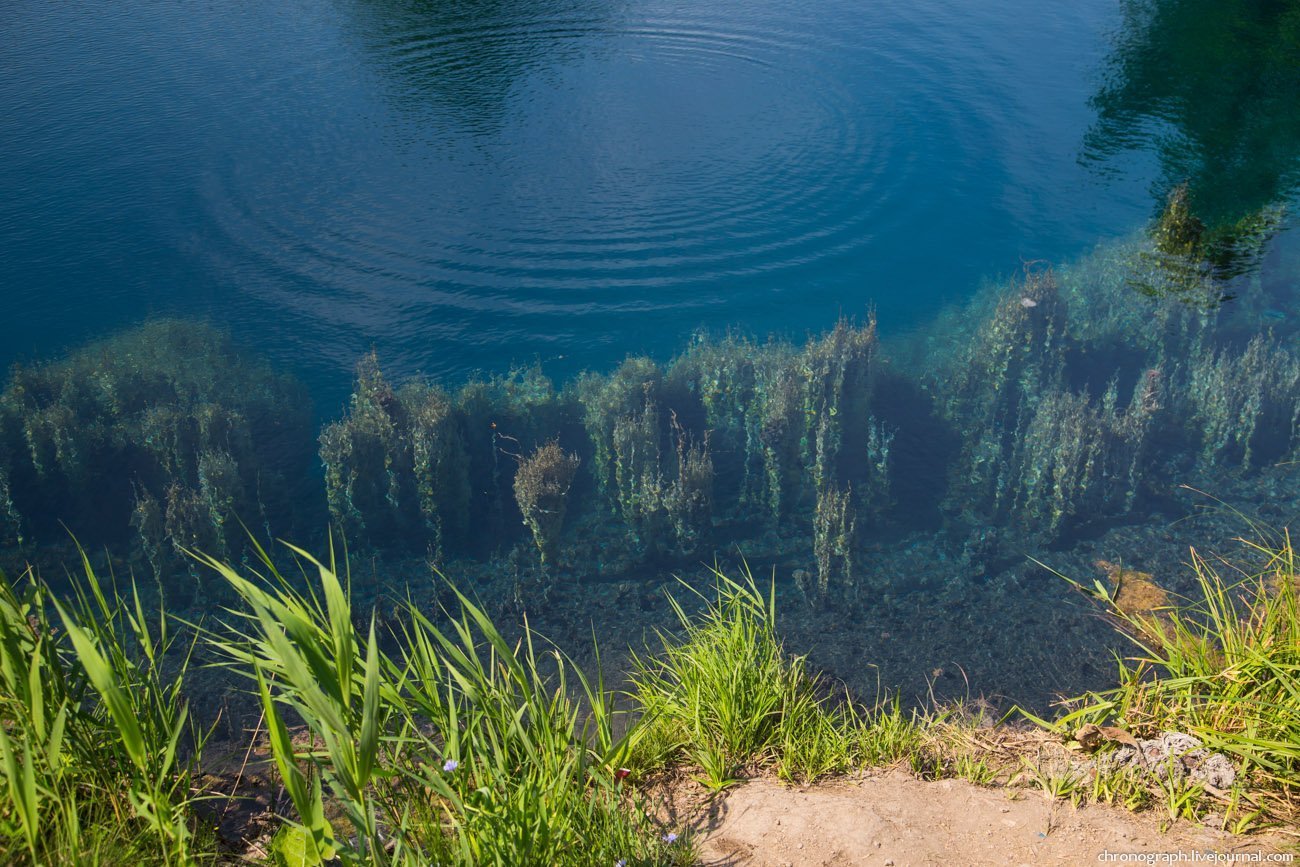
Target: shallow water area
1075	242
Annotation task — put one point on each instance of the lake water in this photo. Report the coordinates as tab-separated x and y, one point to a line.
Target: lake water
470	185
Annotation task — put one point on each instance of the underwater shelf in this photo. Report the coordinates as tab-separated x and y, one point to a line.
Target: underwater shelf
1057	408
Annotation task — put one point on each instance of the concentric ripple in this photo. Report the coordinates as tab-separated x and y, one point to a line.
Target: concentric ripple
464	184
541	170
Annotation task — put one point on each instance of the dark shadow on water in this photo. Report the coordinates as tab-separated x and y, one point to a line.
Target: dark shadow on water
464	58
1211	87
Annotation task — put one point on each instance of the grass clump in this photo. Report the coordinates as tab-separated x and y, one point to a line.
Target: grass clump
726	698
93	729
455	747
1224	668
438	740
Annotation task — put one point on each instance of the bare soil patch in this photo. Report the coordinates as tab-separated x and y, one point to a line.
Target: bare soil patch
895	819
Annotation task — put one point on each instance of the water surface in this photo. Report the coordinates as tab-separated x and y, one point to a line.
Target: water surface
470	185
466	185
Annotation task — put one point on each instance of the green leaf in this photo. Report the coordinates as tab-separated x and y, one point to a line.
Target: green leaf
370	723
292	847
307	801
105	680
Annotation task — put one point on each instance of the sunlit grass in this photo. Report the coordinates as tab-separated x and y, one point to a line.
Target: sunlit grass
93	728
722	695
457	748
1224	667
437	740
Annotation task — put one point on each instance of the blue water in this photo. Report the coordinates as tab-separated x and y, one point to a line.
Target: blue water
465	185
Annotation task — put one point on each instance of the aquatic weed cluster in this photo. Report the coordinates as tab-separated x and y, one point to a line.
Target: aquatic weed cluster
676	456
1048	407
164	437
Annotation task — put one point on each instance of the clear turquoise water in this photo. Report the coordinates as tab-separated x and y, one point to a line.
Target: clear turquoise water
464	185
467	186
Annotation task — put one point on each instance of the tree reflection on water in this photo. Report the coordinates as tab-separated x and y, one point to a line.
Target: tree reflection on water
1211	87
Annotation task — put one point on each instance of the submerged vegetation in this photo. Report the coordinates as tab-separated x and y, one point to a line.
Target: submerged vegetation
1050	408
1058	405
1055	406
167	425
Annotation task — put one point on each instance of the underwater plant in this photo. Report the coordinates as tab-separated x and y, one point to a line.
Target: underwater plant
542	485
1078	460
437	461
834	545
501	416
730	379
654	474
990	389
1245	406
638	480
689	500
838	373
781	435
1122	309
11	527
611	406
818	422
395	464
1192	263
167	421
363	455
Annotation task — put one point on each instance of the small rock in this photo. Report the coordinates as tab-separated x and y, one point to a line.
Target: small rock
1215	770
1180	754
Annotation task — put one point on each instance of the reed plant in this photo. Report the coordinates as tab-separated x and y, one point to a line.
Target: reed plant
96	743
305	656
457	747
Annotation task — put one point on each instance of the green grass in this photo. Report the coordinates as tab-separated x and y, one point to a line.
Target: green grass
723	696
92	729
1224	667
440	741
456	748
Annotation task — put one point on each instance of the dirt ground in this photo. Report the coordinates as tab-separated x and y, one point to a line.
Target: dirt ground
895	819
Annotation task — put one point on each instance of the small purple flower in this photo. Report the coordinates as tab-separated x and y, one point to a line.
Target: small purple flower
670	838
621	862
450	765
